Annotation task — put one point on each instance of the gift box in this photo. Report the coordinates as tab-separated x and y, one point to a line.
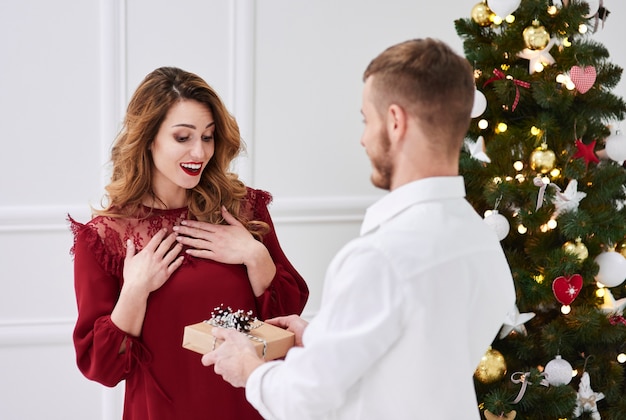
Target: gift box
271	342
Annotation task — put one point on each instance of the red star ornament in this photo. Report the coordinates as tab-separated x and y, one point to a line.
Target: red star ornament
585	151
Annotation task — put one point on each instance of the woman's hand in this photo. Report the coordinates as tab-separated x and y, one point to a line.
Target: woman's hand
150	268
229	244
144	272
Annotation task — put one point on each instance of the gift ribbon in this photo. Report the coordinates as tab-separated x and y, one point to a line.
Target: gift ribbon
499	75
237	320
525	383
617	319
538	181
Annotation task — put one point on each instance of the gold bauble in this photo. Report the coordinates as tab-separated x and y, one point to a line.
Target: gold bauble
542	159
577	249
481	14
536	37
492	367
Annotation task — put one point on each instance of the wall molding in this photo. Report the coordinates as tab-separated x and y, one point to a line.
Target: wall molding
294	210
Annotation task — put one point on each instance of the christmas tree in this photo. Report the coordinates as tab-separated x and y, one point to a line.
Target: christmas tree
544	162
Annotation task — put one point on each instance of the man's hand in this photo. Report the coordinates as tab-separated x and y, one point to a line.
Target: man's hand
234	359
292	323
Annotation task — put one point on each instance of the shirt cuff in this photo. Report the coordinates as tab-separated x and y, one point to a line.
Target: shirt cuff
254	391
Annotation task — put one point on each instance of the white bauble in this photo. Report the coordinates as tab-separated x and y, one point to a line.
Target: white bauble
558	371
503	8
594	6
498	223
616	147
612	271
480	104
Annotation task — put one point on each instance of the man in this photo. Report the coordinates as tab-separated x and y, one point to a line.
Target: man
410	306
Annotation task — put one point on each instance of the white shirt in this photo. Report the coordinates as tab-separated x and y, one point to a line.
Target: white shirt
408	310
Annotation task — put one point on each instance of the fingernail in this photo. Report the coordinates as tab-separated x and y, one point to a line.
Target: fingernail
175	228
183	222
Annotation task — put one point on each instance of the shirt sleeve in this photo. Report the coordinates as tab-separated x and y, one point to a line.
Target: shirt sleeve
288	292
361	317
97	340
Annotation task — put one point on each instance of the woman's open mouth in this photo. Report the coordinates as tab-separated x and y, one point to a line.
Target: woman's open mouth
192	169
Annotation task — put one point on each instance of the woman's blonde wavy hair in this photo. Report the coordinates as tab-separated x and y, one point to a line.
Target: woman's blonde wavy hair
131	178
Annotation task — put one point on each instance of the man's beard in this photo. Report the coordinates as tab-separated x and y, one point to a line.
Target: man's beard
382	164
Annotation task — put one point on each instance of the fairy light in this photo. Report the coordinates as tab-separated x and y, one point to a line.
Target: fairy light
566	42
539	278
538	67
510	19
488	213
566	309
582	28
483	124
497	180
552	10
555	173
544	228
519	165
535	131
497	20
621	357
552	224
599	285
509	178
520	178
561	78
600	292
502	127
522	229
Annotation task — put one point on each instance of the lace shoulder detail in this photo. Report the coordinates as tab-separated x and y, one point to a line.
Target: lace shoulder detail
107	249
257	202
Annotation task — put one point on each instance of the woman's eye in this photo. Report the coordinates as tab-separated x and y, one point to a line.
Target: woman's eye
207	138
182	139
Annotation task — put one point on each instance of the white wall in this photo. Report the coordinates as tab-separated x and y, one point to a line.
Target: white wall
290	70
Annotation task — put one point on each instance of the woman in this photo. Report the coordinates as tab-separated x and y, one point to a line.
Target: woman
179	236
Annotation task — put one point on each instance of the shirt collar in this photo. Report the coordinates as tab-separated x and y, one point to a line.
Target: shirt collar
420	191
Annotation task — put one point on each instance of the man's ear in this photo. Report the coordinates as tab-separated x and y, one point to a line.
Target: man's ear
396	122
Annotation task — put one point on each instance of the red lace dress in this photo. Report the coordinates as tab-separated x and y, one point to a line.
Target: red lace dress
164	380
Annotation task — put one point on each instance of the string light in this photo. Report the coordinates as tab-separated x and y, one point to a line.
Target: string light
555	173
552	10
551	224
621	357
510	19
497	20
566	42
535	131
539	278
538	67
522	230
483	124
600	292
566	309
502	127
582	28
519	165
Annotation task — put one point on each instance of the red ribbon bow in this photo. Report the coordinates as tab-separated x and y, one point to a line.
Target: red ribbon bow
499	75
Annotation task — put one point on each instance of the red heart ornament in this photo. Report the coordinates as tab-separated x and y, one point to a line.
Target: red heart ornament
583	77
566	289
